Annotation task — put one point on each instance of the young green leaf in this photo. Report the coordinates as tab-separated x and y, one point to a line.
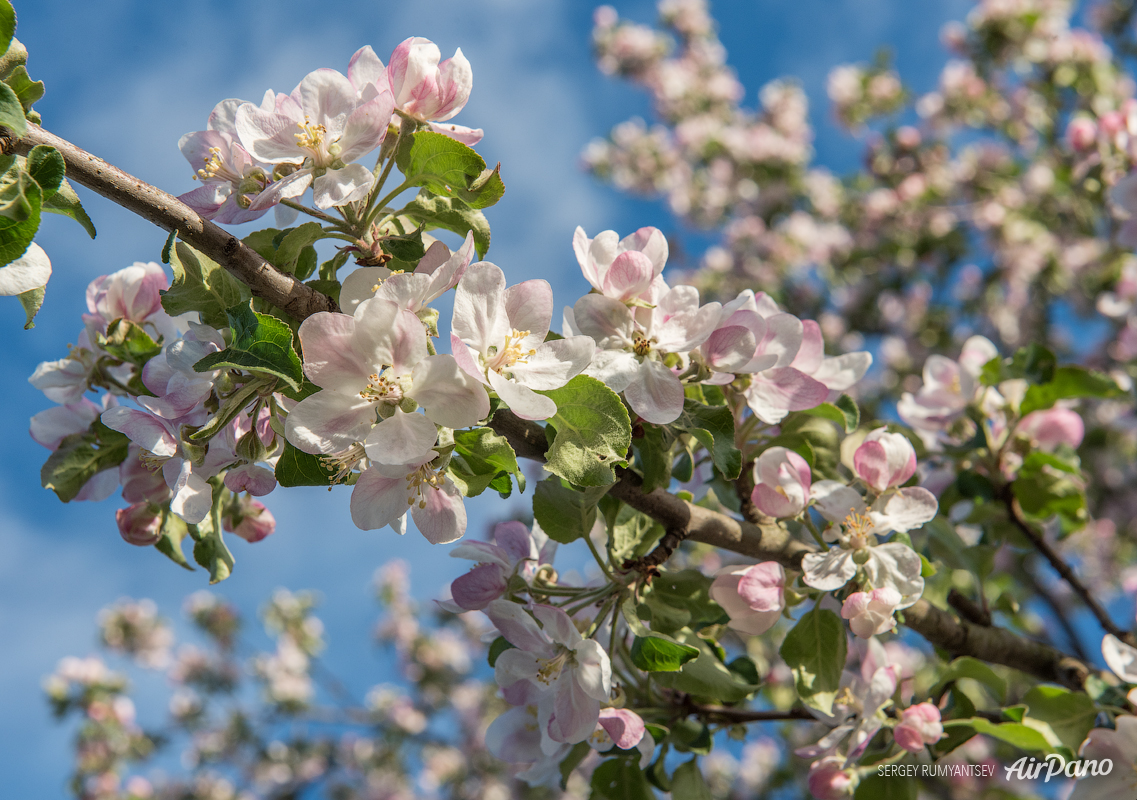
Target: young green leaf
261	343
815	650
200	284
659	653
66	202
80	457
563	512
452	215
713	428
593	432
32	301
688	782
297	468
450	169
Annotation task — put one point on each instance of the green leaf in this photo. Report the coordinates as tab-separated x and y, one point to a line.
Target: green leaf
47	168
201	285
7	24
128	342
408	248
80	457
499	646
620	779
32	301
18	195
713	428
708	678
261	343
284	248
173	531
688	782
564	513
577	754
450	169
15	56
1070	715
1069	382
845	413
480	456
451	215
968	667
209	549
297	468
692	736
593	432
66	202
688	589
1015	734
815	650
659	653
654	458
631	534
12	111
635	624
890	787
27	91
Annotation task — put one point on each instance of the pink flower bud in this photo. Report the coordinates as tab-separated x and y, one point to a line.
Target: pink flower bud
919	725
252	521
1051	427
870	613
139	525
885	460
752	596
1081	134
624	727
828	780
781	483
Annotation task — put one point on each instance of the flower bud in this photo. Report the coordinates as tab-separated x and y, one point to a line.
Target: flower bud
250	520
139	525
919	725
828	780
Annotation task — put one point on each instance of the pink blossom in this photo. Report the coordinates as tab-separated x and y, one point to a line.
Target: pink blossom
384	493
250	520
139	524
432	90
1081	133
885	460
623	269
515	551
499	338
829	780
870	613
321	128
919	725
437	272
367	365
621	727
1048	428
50	426
753	597
781	483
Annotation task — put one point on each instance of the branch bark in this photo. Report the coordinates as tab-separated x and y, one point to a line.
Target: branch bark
769	541
170	214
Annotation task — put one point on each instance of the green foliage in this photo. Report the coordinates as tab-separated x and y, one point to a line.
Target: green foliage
653	457
1033	363
128	342
80	457
7	24
297	468
200	284
845	412
1070	715
483	458
173	531
659	653
288	250
66	203
209	549
563	512
620	779
1016	734
688	782
968	667
891	787
260	344
815	650
47	168
12	111
713	428
1067	383
32	301
452	215
707	678
631	534
593	432
497	647
449	169
20	202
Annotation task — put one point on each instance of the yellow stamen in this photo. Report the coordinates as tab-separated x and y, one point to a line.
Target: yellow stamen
310	136
213	165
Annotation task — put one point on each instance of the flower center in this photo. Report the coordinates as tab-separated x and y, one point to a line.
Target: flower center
551	668
512	352
340	465
641	346
858	529
213	165
419	480
381	390
311	137
152	462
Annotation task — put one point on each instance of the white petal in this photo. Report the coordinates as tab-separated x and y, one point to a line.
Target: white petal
29	271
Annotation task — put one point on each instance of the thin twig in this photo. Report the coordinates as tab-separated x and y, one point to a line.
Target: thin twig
1062	568
1056	607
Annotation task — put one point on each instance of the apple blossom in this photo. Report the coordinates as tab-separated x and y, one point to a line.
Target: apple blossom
250	520
1119	745
919	726
1048	428
623	269
50	426
569	674
367	365
437	272
870	613
949	386
335	128
139	524
515	551
499	338
431	90
752	596
830	780
781	483
884	460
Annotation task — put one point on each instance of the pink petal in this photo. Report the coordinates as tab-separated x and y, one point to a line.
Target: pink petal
378	500
655	393
625	727
479	587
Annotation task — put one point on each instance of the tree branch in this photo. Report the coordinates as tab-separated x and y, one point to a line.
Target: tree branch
170	214
1062	568
772	542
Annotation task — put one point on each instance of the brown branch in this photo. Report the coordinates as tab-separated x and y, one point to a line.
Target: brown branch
739	715
772	542
1062	568
170	214
968	608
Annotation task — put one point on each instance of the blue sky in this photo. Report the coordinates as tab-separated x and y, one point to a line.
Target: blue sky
125	79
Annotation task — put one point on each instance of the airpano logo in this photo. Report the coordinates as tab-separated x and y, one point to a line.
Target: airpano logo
1029	769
